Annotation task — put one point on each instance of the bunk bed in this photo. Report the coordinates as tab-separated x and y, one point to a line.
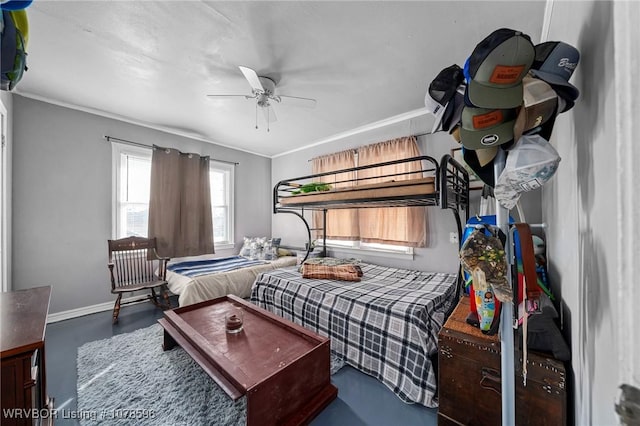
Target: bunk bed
386	324
444	184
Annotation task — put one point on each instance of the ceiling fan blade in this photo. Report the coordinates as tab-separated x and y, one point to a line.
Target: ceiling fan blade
230	96
298	101
252	78
269	114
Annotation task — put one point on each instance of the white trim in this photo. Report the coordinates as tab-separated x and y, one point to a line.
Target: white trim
88	310
546	21
362	129
228	246
367	127
132	121
388	254
626	16
115	171
5	203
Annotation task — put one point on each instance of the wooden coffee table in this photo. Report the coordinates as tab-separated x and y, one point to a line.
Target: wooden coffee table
281	367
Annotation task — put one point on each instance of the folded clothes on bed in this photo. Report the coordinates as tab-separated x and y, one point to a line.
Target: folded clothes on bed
346	272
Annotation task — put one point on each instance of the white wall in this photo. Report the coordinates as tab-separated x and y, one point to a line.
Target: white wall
62	197
581	206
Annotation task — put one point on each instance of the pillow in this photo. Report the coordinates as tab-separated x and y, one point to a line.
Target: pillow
269	251
285	252
260	248
246	247
257	246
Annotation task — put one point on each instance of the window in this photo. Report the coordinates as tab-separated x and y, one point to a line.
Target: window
132	174
221	182
376	229
360	245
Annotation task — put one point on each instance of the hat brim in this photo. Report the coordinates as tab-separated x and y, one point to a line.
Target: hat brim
496	98
487	138
533	116
486	156
455	133
436	109
437	123
485	173
567	90
564	104
453	112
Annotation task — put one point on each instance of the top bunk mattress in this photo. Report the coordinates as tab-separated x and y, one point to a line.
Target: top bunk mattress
401	189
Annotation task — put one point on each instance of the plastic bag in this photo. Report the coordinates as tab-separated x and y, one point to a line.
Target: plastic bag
484	258
530	164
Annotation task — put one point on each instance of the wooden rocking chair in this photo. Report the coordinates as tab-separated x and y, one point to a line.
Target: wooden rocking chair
133	263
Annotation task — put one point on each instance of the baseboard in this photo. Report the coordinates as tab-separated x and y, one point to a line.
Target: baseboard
87	310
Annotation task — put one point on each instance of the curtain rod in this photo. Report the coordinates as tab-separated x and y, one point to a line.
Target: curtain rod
110	138
356	150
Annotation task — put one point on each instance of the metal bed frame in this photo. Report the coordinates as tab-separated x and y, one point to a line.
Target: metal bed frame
451	191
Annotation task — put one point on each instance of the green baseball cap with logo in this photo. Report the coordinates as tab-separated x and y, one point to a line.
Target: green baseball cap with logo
484	128
496	68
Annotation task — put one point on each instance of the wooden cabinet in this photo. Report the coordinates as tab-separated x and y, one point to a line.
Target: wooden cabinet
23	398
469	383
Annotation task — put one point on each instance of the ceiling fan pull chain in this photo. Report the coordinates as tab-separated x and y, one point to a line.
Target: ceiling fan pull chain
268	124
256	116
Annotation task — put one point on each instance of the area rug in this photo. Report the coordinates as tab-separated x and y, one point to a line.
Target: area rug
129	379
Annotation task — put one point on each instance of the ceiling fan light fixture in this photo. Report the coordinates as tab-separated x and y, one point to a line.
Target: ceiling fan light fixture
263	91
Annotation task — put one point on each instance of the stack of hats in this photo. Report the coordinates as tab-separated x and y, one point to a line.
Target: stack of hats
511	91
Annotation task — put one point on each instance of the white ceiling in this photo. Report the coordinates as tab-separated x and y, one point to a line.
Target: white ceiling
154	62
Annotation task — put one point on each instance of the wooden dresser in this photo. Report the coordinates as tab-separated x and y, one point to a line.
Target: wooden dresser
23	315
469	383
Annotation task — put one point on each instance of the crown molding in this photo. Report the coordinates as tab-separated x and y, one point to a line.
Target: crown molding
362	129
112	116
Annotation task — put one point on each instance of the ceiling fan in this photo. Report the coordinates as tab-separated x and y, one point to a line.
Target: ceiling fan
263	91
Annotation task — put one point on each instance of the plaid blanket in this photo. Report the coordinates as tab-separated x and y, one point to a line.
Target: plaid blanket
195	268
386	325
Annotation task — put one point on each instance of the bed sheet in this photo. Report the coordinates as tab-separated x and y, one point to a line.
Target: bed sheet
385	325
210	286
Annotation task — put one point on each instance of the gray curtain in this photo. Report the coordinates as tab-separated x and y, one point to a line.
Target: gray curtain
180	203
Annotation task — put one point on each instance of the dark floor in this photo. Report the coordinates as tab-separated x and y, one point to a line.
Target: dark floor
362	400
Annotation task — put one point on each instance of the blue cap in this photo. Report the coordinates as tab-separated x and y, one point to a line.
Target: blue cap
15	4
555	63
